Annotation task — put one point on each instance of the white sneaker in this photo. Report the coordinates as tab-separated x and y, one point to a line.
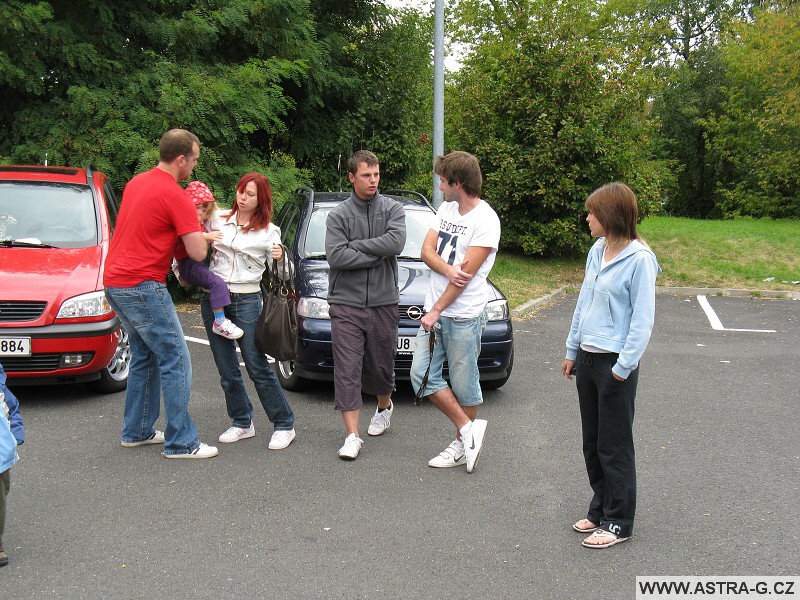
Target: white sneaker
351	448
202	451
156	438
280	439
452	456
473	442
234	434
227	329
380	421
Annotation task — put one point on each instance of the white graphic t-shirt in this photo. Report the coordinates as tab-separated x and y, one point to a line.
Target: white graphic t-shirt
479	227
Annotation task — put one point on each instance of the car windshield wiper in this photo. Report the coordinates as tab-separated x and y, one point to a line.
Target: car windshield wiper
23	244
317	255
404	257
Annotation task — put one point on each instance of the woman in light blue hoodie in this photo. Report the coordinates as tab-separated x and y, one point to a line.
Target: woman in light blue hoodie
11	435
610	330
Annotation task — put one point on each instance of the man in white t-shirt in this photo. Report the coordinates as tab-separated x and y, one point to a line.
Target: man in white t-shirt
460	249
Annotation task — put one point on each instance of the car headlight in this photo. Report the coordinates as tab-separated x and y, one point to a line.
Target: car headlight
497	310
313	308
93	304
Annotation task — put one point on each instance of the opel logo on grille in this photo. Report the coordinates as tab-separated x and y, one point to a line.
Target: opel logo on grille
414	312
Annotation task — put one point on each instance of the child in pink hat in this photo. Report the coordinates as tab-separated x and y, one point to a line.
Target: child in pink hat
193	272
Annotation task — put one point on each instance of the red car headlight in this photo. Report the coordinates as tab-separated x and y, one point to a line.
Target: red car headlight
91	305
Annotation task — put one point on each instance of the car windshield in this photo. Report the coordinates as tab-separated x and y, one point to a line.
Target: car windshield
48	214
418	223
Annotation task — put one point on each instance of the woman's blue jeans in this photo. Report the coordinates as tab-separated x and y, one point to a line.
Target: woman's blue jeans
160	362
243	311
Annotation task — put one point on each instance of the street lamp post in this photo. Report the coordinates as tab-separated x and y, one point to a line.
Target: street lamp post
438	93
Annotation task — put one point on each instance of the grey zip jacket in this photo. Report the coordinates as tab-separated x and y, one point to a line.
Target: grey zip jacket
362	242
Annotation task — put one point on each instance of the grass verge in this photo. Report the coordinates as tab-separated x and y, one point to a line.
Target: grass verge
752	254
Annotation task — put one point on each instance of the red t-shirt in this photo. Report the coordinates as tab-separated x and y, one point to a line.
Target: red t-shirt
155	211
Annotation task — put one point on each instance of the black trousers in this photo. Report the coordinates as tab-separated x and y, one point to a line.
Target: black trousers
5	485
607	407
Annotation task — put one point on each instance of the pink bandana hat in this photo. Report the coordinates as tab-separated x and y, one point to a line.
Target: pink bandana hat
199	193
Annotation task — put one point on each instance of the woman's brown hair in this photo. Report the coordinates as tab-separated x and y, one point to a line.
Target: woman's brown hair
615	207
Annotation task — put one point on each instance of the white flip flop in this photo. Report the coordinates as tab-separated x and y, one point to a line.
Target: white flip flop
591	529
605	535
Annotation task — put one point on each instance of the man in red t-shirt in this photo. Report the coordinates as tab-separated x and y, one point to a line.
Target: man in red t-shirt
155	212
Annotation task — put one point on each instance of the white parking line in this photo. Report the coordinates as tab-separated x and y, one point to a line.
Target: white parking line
189	338
717	324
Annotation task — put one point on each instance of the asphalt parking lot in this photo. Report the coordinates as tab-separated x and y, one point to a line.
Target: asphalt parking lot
718	467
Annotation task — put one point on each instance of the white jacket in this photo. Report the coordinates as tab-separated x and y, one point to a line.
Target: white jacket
240	258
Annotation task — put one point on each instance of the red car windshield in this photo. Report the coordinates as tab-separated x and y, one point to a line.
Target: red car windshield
49	213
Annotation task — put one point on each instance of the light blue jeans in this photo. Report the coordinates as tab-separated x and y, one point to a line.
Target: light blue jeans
160	363
243	311
459	342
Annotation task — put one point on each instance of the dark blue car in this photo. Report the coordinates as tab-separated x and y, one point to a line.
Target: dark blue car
302	222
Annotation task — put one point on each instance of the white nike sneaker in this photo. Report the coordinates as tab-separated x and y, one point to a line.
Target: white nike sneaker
473	442
452	456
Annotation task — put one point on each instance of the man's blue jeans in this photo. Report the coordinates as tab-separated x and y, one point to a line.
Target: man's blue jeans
243	311
160	362
458	340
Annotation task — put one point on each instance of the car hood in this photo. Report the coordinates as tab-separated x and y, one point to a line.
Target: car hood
49	274
413	278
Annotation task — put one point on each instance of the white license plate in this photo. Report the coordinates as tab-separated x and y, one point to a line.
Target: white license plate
15	346
405	344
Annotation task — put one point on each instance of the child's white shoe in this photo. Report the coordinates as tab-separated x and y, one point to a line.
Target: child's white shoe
227	329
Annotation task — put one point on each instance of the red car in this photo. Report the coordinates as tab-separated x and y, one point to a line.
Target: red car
56	325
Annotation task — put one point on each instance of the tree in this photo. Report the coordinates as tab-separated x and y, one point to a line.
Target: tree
115	79
692	94
676	31
376	94
756	136
267	85
684	37
551	115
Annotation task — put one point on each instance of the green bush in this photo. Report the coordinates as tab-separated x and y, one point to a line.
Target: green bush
551	121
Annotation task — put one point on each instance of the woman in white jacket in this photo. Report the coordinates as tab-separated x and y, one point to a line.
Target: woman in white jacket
248	245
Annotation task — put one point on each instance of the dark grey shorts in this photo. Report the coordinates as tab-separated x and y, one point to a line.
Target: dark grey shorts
364	345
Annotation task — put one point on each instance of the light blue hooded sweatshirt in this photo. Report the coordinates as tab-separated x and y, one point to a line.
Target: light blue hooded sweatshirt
616	306
11	431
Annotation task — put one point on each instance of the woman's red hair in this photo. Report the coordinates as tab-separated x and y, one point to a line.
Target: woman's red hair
261	216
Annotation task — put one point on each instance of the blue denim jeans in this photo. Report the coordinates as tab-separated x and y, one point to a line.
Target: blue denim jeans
160	363
243	311
459	341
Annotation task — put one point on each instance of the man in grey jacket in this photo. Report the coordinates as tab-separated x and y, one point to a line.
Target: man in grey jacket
365	233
